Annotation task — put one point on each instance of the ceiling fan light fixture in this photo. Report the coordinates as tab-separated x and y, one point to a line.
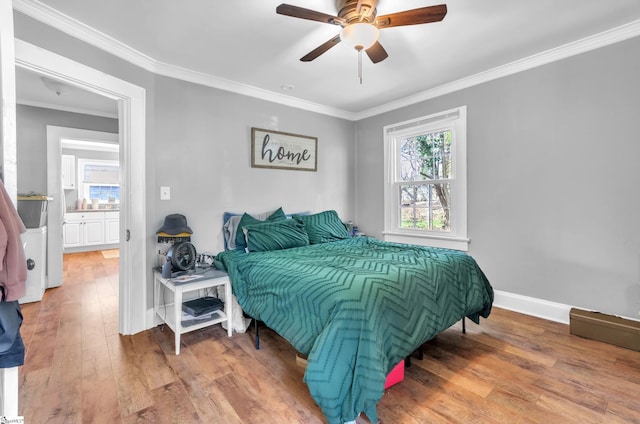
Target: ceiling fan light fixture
360	35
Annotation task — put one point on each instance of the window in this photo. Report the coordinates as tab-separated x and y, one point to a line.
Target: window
99	179
425	185
106	193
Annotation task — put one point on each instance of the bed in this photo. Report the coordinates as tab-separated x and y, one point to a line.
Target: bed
355	305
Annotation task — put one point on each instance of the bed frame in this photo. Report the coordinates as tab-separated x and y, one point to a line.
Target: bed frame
407	362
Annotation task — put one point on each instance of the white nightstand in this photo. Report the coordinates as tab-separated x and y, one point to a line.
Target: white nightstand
168	307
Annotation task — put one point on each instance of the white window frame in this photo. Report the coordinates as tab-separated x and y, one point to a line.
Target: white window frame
456	121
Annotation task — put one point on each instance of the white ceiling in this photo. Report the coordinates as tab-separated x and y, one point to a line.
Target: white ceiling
32	91
245	46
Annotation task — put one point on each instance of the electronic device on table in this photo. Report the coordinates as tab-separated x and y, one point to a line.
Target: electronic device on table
180	260
202	306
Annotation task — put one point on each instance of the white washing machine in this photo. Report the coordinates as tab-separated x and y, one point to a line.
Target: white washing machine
34	241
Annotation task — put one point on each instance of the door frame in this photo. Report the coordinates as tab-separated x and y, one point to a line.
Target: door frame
131	99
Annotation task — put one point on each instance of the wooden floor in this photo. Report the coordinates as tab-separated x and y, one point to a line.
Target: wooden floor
510	369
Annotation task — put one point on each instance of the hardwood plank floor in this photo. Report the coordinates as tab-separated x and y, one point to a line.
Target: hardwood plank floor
511	369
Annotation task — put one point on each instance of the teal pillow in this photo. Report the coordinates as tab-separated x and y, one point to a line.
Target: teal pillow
276	235
249	220
323	227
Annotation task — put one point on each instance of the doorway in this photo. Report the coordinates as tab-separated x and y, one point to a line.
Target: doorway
64	199
131	117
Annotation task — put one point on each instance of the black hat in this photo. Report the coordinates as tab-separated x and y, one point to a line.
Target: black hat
175	224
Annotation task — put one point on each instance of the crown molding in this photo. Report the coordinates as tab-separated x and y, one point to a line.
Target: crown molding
248	90
81	31
55	19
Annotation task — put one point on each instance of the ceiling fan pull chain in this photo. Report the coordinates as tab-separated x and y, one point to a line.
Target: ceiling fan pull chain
360	64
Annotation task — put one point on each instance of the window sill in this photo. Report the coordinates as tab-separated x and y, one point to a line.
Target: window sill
456	243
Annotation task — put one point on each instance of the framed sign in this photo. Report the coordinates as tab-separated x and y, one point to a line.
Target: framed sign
275	149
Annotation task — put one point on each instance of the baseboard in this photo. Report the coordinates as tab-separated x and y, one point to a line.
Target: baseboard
552	311
93	248
540	308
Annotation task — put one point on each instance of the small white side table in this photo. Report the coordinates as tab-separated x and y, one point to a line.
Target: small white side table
169	308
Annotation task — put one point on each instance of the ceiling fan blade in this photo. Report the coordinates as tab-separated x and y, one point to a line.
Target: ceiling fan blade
320	49
312	15
377	53
423	15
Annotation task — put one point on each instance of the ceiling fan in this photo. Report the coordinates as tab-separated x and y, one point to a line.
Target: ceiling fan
360	25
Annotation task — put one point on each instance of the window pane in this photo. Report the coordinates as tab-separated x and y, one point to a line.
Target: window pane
426	157
425	206
105	193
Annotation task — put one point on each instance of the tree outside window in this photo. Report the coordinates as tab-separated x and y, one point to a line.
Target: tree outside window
425	188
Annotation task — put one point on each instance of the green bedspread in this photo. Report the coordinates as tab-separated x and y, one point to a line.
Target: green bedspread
357	307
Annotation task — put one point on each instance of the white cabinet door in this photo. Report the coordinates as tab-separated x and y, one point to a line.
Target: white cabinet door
83	229
71	233
69	172
93	232
111	227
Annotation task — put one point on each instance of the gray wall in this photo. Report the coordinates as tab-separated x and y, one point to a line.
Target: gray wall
198	143
31	135
552	178
202	151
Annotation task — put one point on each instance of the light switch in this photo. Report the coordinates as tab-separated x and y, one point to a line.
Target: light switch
165	193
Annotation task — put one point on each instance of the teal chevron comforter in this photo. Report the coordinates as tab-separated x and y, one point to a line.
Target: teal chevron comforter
357	307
